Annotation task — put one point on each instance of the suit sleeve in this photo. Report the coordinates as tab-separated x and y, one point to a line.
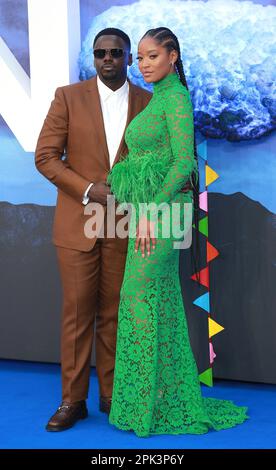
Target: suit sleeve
50	148
180	125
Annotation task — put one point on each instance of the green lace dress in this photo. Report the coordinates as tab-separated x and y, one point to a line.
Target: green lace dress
156	387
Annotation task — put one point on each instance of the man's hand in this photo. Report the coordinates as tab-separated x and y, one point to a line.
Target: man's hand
99	192
186	187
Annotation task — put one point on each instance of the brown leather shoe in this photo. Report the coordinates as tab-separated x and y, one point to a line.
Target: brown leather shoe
105	404
67	415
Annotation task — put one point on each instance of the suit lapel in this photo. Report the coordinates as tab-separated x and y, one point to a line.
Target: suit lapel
94	103
133	107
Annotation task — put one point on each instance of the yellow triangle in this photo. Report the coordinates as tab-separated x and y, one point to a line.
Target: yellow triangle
214	327
210	175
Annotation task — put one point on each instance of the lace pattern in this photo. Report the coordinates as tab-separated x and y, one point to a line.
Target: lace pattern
156	387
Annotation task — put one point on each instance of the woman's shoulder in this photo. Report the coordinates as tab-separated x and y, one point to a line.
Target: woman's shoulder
177	90
177	95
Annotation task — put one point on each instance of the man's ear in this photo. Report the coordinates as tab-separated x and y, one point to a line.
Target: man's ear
130	59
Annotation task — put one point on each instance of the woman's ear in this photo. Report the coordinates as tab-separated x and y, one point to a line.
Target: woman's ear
173	56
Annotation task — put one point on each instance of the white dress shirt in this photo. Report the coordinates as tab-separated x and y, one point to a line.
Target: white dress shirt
114	106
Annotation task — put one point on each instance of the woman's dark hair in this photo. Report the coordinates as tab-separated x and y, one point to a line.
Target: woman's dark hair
166	38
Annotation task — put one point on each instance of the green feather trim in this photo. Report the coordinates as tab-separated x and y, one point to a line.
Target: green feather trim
118	179
139	176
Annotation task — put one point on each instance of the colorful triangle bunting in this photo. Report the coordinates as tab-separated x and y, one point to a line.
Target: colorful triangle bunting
212	252
210	175
203	226
202	149
203	204
204	277
211	353
214	327
206	377
203	301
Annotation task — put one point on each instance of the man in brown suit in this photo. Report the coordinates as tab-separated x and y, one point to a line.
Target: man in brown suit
81	135
72	152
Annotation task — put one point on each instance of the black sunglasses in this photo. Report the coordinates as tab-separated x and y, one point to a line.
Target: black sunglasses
115	53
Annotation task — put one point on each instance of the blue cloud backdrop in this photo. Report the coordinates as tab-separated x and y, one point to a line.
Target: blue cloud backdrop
228	63
227	48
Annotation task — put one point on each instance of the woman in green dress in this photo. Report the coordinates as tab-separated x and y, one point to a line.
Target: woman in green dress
156	387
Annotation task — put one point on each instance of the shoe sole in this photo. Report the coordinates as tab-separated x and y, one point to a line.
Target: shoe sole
50	428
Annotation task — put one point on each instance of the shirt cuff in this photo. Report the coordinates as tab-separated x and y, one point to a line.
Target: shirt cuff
85	199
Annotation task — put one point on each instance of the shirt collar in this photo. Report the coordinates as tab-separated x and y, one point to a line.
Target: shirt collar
105	92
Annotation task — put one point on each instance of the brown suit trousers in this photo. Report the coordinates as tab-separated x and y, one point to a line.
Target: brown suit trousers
72	152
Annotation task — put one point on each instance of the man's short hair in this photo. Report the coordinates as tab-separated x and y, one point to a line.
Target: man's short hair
113	32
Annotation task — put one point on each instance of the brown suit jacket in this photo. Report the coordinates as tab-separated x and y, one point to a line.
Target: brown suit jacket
72	152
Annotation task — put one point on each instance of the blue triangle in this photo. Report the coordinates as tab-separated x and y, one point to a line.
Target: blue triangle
202	149
203	301
202	170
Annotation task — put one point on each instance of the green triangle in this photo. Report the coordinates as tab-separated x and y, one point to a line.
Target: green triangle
207	377
203	226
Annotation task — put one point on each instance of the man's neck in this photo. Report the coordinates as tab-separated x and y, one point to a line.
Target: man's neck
112	84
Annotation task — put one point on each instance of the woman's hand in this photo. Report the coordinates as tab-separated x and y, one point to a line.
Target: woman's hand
145	236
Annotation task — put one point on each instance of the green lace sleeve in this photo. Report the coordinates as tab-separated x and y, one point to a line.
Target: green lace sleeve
180	125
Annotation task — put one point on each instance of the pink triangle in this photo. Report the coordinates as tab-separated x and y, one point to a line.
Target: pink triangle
203	201
212	353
